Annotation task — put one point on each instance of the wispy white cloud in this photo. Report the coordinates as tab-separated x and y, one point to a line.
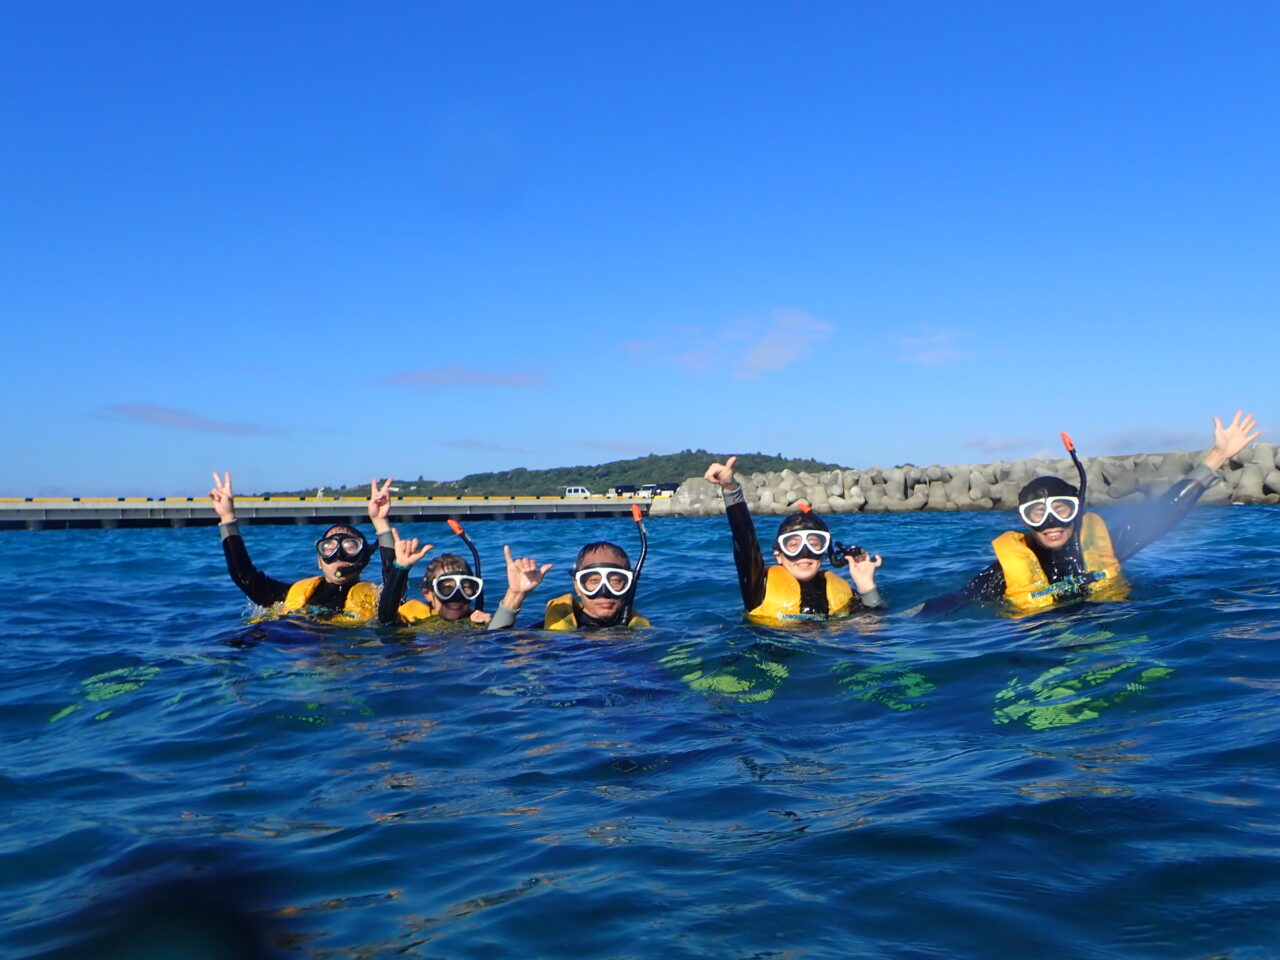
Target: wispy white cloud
998	444
154	415
459	376
933	348
785	338
746	349
616	446
467	443
1152	440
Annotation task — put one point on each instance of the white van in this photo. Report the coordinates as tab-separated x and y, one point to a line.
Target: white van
577	493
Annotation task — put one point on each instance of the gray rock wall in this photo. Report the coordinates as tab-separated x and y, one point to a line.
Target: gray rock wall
1252	477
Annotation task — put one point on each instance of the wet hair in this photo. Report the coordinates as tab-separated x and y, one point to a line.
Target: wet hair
802	521
1042	487
445	563
342	528
602	545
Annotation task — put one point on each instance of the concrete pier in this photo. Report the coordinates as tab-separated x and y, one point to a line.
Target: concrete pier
54	513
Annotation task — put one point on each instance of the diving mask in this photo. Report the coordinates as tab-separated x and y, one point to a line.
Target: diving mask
1049	511
342	546
592	580
456	586
804	544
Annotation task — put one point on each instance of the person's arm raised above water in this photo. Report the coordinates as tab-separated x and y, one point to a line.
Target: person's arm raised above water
256	585
1158	518
380	515
862	571
1230	440
224	499
396	577
523	575
746	546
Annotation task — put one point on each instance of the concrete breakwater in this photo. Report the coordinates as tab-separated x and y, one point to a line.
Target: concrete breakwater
1252	477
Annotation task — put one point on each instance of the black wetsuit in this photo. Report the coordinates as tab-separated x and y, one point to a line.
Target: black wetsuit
264	590
395	581
1143	527
753	571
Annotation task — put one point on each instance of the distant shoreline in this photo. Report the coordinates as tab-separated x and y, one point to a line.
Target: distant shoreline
1253	477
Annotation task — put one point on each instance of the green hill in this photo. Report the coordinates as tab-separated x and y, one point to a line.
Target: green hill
667	468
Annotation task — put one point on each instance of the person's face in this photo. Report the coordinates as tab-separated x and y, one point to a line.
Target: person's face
456	608
1055	538
1054	512
339	569
803	567
604	604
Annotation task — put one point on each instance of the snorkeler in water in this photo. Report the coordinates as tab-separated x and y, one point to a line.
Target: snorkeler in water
1062	555
342	553
797	588
449	589
604	588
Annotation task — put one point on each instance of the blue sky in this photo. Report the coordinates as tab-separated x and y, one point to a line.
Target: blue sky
313	242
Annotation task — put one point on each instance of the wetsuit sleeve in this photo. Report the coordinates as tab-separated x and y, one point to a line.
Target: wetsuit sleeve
988	585
386	553
394	581
746	549
1154	520
257	586
503	618
871	600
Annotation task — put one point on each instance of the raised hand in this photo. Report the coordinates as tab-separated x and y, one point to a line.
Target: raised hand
862	570
523	575
407	551
721	474
1230	440
224	503
380	505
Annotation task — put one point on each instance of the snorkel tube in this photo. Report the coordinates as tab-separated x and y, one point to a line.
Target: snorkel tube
1084	479
1071	449
638	516
456	527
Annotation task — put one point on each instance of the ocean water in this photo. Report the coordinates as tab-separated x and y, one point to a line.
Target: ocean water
1102	782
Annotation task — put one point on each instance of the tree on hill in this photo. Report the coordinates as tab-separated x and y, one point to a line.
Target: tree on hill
520	481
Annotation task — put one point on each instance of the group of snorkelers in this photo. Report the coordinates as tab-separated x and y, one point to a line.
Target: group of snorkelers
1062	554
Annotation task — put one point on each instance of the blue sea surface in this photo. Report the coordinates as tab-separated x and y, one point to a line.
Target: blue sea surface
1099	782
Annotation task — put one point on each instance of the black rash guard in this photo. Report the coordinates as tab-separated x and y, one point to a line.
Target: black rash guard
265	591
1145	526
753	572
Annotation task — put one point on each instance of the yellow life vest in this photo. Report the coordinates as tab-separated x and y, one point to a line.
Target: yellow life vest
361	603
1028	590
415	611
560	615
782	598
